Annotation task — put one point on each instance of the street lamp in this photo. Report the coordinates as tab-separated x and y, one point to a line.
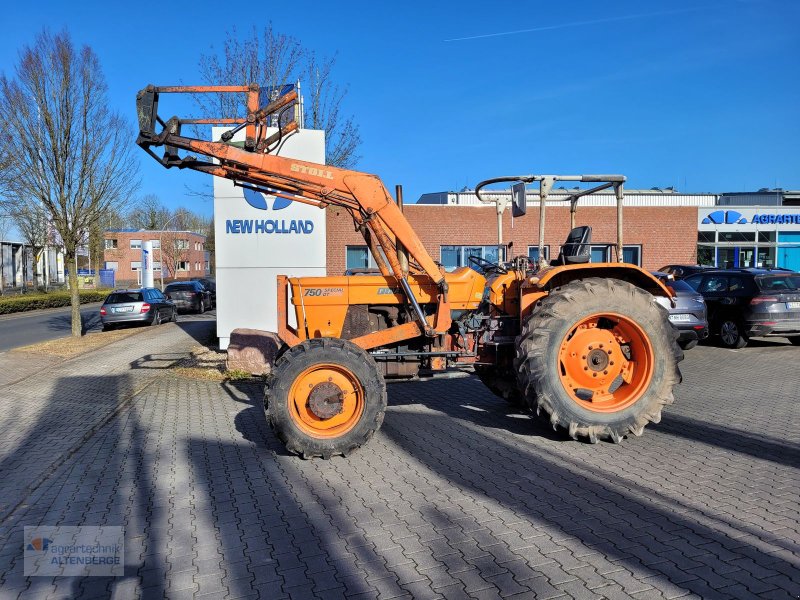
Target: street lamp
160	247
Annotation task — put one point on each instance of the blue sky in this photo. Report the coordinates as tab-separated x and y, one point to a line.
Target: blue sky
699	95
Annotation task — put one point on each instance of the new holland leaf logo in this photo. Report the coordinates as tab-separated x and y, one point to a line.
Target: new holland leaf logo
724	217
259	200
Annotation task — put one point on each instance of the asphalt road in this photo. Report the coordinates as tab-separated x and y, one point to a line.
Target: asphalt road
39	326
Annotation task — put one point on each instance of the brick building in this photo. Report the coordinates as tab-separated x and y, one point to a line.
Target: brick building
660	227
183	257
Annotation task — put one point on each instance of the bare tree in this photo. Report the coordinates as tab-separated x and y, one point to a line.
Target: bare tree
148	212
271	60
174	251
68	151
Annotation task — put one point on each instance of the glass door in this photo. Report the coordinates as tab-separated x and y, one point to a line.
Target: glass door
726	258
747	257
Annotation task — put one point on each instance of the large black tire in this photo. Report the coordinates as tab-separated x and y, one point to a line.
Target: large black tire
731	332
295	363
555	318
504	387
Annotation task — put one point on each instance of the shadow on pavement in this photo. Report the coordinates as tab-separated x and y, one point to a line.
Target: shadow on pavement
102	475
63	323
221	516
648	533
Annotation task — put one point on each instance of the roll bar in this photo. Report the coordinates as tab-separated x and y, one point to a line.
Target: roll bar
546	185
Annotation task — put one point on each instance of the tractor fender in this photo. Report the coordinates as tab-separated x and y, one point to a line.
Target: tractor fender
561	275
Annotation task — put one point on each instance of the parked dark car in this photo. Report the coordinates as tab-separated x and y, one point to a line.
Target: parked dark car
683	271
143	305
689	315
189	295
211	286
745	303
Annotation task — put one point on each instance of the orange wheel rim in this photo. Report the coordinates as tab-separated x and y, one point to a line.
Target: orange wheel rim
326	401
605	362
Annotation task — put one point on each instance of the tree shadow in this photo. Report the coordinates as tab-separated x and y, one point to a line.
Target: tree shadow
648	533
63	323
782	453
198	329
98	475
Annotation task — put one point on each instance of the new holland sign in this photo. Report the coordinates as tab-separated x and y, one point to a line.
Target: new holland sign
268	226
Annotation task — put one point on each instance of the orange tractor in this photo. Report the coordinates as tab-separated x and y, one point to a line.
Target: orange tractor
583	344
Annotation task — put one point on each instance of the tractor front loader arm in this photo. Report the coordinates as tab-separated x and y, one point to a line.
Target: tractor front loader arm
257	165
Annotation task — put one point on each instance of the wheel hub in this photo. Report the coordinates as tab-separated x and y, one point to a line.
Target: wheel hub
597	360
326	400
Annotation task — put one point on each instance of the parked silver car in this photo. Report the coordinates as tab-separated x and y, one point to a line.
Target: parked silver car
143	305
689	316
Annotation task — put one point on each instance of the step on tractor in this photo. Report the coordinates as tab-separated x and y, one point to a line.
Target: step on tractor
582	344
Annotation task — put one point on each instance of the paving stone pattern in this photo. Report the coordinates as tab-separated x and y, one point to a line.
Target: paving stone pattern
455	497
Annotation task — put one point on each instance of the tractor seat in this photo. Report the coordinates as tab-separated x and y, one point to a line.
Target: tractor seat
576	249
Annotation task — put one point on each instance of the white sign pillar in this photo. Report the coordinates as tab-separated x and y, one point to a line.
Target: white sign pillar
259	237
147	264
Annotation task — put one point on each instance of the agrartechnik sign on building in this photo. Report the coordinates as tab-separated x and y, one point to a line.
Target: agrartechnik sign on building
750	219
258	237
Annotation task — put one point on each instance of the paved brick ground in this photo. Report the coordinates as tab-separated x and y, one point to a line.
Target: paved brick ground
455	497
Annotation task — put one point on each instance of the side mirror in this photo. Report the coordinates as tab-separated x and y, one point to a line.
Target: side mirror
519	205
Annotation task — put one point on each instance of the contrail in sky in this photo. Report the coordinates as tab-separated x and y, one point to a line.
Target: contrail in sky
581	23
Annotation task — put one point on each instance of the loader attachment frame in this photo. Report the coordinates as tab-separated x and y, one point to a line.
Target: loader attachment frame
259	166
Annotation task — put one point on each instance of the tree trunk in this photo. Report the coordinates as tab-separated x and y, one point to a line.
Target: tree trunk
75	297
35	264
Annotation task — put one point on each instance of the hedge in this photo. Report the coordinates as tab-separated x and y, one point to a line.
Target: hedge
27	302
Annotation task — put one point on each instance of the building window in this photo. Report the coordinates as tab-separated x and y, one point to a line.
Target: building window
182	265
156	244
533	253
632	255
359	257
156	265
707	237
197	266
607	252
111	244
136	244
181	244
453	257
112	265
600	253
136	265
737	236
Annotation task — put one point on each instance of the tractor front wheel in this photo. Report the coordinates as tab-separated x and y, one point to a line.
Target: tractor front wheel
599	358
325	397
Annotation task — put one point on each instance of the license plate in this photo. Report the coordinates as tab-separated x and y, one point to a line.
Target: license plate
680	318
793	305
123	309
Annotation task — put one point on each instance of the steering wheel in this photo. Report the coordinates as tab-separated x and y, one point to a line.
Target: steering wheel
487	266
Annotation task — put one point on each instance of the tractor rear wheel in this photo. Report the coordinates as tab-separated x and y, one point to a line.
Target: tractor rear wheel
599	358
325	397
